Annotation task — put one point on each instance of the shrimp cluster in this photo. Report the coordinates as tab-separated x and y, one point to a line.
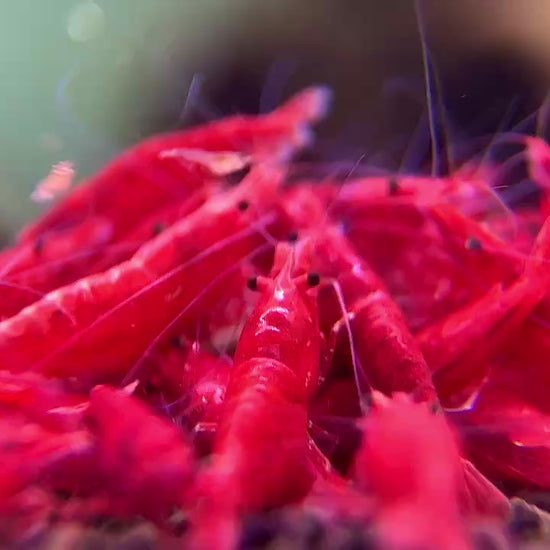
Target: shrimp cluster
199	332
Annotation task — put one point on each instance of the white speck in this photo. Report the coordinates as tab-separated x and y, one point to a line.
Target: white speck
86	21
84	285
115	274
55	296
173	295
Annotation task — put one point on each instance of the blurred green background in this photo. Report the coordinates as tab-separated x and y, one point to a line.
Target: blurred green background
81	80
77	80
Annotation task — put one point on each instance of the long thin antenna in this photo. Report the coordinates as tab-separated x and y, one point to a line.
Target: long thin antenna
440	164
277	78
364	388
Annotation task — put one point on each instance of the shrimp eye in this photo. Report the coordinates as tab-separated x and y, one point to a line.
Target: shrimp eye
252	283
39	244
179	342
474	244
243	206
292	237
393	186
313	279
149	388
158	228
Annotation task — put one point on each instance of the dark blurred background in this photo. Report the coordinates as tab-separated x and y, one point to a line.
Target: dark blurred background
83	80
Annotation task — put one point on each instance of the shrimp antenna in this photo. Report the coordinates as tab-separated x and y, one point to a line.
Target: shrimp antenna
38	295
103	317
193	101
277	77
413	145
440	164
170	327
364	388
506	118
341	185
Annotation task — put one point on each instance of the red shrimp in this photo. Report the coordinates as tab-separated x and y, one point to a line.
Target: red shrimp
47	402
260	455
467	188
143	179
387	219
479	246
481	251
188	384
146	462
506	422
403	245
385	352
27	285
503	432
33	453
32	255
193	378
386	356
409	460
333	497
52	271
207	377
53	262
71	328
383	349
485	324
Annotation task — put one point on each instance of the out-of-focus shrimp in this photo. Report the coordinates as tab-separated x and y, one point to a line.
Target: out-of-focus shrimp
146	463
58	181
409	460
201	246
57	264
459	347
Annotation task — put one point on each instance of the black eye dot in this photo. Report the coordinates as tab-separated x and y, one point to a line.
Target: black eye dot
158	228
236	177
393	186
474	244
252	283
292	237
178	342
243	205
39	244
345	226
313	279
149	388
